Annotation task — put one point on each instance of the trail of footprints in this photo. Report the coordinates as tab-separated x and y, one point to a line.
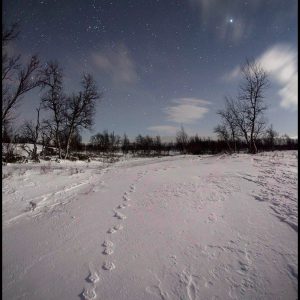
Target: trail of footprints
108	246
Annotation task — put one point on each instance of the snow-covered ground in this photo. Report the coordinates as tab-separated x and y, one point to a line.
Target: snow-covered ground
183	227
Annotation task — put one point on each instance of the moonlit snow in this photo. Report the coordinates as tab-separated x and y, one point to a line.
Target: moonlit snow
197	227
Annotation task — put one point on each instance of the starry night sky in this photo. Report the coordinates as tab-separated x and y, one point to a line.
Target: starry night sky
162	63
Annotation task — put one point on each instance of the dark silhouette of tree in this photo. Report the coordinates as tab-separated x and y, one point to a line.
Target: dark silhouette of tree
31	133
228	130
80	109
16	79
244	116
223	134
54	98
158	147
182	140
271	135
125	144
251	99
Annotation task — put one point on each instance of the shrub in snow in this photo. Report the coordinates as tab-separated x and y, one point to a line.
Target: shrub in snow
6	175
82	156
45	169
74	171
73	158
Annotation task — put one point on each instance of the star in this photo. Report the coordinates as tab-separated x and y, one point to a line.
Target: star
230	20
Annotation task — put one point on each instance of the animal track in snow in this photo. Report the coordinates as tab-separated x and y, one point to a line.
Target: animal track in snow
108	265
126	198
93	277
132	188
108	251
118	227
212	218
108	243
111	230
121	206
89	294
115	228
120	216
108	247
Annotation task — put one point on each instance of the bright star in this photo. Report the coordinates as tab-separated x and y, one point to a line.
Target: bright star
231	20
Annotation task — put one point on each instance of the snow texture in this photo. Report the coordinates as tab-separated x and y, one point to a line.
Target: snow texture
197	227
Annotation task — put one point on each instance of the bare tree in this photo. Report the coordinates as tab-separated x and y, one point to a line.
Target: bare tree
158	145
251	101
16	80
223	134
229	129
244	115
54	98
47	135
80	109
125	144
31	132
271	134
9	34
182	140
114	142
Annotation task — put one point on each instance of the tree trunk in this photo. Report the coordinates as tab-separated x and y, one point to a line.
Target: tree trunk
253	148
58	144
34	152
68	142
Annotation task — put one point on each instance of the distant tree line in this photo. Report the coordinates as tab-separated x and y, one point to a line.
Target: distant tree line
110	143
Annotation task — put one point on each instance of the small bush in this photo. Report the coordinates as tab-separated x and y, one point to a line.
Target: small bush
6	175
73	158
13	158
82	156
74	171
45	169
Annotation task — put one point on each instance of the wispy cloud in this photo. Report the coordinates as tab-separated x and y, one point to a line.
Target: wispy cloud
182	111
281	62
232	75
186	110
163	129
116	63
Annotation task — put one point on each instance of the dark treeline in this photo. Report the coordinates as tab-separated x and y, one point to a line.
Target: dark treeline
110	143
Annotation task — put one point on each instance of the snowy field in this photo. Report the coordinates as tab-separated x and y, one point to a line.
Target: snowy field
183	227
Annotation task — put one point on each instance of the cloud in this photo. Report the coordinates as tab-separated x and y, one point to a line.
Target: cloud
163	129
281	62
235	73
118	64
186	110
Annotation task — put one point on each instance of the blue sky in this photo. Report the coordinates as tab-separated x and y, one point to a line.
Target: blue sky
163	64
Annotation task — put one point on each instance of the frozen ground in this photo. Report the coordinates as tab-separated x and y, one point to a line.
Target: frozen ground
185	227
